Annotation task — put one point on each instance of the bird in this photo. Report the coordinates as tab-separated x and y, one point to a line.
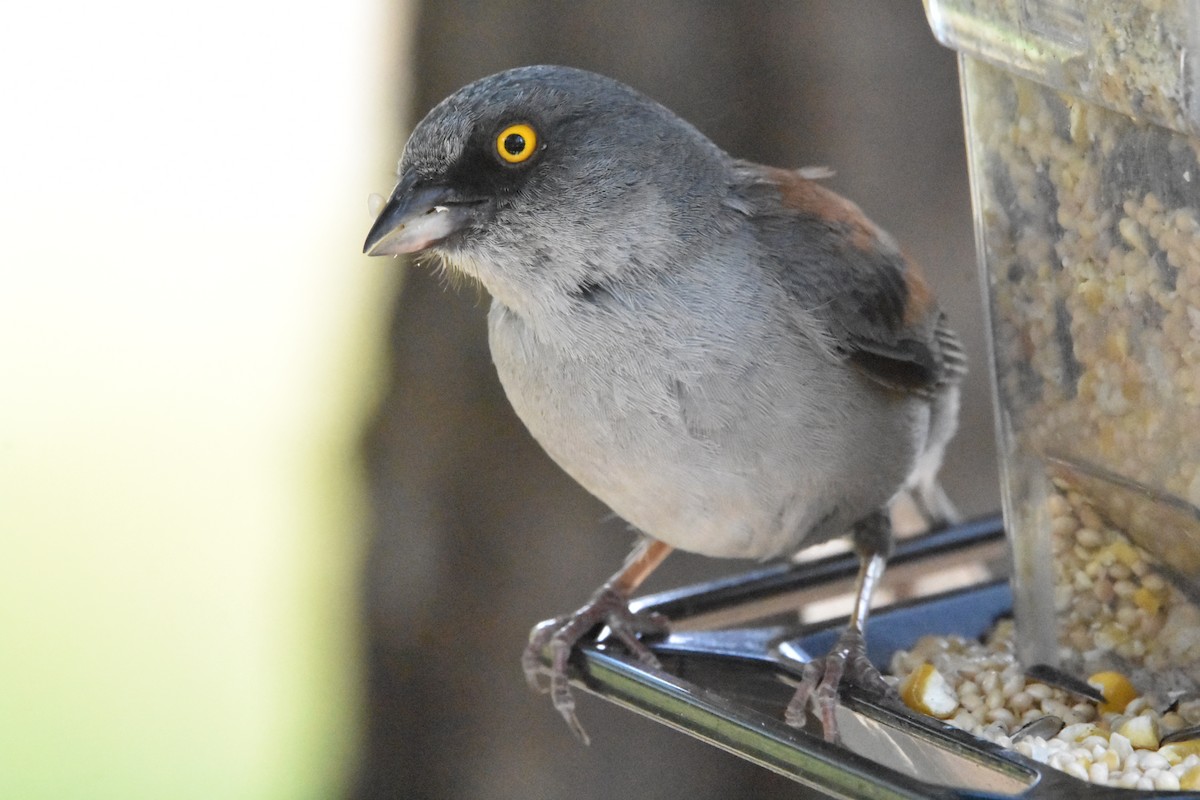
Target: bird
731	356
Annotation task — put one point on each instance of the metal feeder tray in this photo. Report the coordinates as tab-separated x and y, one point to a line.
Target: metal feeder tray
736	650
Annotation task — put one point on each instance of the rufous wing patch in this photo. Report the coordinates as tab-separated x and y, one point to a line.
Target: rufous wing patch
812	199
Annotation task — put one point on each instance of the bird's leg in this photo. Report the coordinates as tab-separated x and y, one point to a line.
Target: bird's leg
847	661
934	505
610	606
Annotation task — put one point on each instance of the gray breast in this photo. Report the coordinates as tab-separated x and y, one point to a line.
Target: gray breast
715	440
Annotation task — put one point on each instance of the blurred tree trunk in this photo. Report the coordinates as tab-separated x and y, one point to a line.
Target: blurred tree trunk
477	534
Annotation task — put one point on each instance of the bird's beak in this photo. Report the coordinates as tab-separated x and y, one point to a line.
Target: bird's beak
415	218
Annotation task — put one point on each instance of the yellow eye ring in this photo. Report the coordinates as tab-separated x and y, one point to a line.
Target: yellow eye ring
516	143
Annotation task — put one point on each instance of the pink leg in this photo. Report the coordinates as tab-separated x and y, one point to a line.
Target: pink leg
609	606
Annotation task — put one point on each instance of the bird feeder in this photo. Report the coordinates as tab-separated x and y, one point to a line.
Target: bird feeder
1083	134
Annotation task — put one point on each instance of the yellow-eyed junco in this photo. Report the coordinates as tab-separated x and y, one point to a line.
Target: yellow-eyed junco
731	356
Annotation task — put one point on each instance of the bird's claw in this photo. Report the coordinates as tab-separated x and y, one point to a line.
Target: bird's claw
823	678
560	635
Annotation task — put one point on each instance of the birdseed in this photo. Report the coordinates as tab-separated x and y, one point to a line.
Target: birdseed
1121	746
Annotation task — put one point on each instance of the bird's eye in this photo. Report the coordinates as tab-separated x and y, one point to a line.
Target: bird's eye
516	143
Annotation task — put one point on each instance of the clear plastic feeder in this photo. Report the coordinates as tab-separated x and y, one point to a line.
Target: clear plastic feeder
1083	131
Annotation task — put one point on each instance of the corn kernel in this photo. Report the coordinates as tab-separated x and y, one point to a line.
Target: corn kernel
1122	551
927	692
1176	752
1147	600
1141	731
1117	691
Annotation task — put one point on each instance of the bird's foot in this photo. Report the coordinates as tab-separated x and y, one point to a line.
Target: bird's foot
561	634
822	679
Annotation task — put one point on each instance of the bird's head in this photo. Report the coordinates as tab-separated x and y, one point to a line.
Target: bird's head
541	179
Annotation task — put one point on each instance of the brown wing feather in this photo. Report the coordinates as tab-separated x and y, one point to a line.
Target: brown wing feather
879	311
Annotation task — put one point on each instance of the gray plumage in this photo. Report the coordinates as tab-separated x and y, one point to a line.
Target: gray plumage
677	341
731	356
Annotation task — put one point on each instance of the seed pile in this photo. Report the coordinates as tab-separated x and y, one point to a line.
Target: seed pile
980	688
1115	610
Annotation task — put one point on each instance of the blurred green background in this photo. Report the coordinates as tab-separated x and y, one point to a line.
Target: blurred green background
268	528
189	341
